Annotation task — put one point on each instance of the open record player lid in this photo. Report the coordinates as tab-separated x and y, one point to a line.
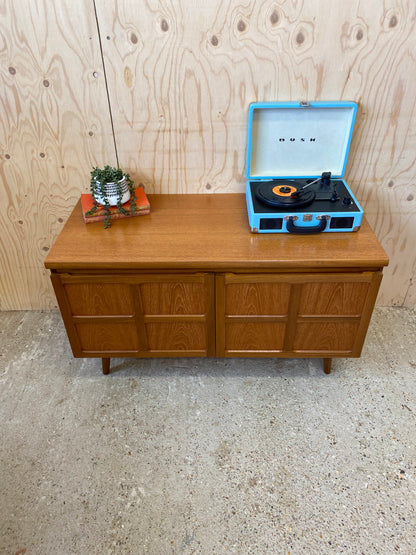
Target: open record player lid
298	139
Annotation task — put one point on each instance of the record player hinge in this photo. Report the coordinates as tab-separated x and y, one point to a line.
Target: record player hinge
304	103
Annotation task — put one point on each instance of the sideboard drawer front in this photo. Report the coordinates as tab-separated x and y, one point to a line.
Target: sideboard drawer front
177	337
175	297
139	314
257	298
243	336
344	298
109	337
318	314
99	299
325	337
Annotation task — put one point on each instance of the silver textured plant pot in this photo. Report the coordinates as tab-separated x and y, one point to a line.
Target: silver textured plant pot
111	192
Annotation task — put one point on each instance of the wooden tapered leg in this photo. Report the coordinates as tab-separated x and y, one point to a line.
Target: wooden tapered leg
106	365
327	365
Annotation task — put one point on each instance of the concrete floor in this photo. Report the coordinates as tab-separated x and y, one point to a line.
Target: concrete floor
206	456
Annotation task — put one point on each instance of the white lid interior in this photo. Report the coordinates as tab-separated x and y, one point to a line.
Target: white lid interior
299	141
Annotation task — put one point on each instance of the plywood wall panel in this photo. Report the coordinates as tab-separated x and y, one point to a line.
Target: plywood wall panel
181	75
54	126
383	155
396	232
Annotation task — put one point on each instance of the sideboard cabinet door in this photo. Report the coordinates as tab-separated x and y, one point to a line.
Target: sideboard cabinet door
138	315
322	315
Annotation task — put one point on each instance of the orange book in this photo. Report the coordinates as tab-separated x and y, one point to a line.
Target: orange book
142	207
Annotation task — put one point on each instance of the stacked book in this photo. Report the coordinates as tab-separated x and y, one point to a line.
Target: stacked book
142	207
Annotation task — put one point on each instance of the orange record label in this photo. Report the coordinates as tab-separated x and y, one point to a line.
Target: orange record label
284	190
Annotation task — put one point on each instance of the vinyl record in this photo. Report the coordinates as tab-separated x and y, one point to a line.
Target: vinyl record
280	194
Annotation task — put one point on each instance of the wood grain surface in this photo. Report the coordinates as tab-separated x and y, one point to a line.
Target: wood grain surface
204	233
180	76
54	126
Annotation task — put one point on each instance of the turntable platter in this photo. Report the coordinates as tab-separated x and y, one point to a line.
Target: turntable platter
280	195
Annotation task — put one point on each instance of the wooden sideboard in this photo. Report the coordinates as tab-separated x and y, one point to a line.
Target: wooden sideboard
191	280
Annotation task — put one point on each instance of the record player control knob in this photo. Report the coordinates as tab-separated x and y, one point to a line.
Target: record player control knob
347	201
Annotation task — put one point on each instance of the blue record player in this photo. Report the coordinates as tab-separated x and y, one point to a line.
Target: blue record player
296	158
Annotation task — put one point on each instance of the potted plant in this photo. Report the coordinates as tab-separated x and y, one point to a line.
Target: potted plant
111	187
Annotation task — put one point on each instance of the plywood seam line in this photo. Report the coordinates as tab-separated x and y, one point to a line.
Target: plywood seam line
106	82
406	295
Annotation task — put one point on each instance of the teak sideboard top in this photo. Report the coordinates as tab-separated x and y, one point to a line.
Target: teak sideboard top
205	232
